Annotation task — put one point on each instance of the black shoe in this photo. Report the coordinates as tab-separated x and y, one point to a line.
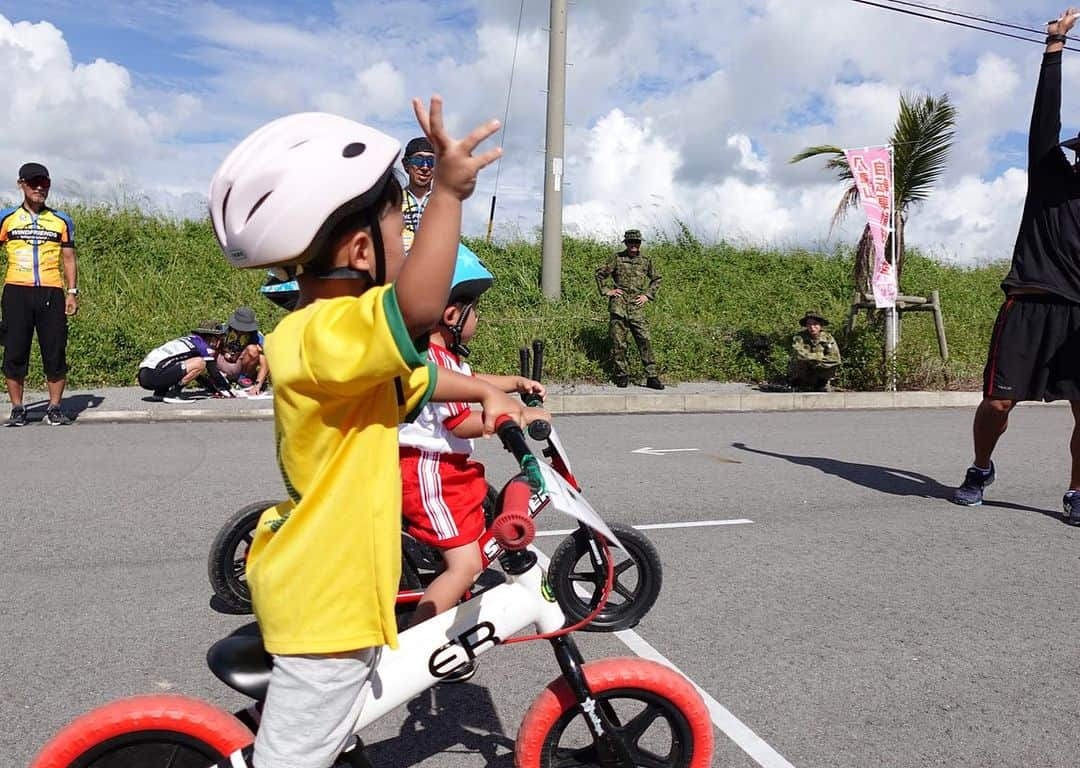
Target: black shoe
462	673
970	492
654	383
1071	504
175	395
622	381
54	417
17	417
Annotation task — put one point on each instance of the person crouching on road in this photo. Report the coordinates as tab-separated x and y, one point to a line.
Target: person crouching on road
177	363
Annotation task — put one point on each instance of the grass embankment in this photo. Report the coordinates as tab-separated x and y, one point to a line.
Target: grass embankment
723	312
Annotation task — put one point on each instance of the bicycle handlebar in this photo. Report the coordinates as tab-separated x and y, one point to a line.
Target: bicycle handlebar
513	440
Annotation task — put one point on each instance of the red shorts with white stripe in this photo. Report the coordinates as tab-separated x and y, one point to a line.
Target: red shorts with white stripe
442	497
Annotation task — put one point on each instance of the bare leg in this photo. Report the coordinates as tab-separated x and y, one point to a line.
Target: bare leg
462	566
991	421
15	391
1074	447
56	390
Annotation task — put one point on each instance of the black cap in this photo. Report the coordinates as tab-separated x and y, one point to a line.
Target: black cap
1073	144
419	144
815	316
32	171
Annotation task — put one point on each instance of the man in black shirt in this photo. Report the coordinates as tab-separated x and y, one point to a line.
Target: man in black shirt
1035	346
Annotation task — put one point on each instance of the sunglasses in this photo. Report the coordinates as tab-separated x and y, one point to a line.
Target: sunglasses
421	162
38	181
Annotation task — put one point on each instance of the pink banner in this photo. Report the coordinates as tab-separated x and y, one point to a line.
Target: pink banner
872	170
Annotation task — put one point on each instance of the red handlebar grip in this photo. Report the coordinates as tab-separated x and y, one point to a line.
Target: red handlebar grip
513	531
502	420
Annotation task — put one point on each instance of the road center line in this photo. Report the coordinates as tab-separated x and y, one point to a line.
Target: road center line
748	741
658	526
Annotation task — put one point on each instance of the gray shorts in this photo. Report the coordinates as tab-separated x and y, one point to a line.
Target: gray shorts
312	708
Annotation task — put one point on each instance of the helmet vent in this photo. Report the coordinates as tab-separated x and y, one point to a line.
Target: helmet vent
255	207
354	150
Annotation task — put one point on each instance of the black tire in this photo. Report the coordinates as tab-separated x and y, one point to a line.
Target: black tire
227	564
638	578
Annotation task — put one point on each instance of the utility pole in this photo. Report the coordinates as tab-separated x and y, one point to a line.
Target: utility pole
551	242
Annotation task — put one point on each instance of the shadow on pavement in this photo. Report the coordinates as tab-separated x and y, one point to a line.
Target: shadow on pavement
447	719
72	405
898	482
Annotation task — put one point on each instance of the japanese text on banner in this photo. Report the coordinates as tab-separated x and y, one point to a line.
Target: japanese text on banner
872	172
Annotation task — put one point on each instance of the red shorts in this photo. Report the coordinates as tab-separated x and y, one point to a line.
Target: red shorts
442	497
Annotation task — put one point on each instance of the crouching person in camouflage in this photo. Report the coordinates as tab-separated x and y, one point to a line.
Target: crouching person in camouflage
815	356
636	283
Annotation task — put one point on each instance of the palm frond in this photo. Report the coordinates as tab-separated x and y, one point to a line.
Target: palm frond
922	140
849	200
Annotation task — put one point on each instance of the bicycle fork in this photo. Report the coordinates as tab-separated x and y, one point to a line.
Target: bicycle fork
600	718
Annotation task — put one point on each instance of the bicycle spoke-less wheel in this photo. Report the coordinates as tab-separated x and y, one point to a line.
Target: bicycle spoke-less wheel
660	718
578	582
146	732
227	564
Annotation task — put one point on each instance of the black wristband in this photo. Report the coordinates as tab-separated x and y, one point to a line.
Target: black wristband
1056	39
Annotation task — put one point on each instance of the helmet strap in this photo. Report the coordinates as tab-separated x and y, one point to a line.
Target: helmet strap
457	346
380	251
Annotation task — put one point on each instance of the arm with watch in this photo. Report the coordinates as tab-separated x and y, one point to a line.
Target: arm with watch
71	278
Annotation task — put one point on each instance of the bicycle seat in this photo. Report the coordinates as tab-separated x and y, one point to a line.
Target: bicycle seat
241	662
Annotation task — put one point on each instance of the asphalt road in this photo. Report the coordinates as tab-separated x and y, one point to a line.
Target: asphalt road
859	620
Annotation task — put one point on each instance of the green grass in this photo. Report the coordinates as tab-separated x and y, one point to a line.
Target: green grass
723	313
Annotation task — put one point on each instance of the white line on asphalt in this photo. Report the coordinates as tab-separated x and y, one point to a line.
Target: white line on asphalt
657	526
735	729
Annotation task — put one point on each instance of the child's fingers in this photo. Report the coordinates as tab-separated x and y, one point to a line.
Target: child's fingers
486	159
478	134
435	120
421	116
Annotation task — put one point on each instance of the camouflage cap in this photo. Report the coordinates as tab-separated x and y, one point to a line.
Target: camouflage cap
632	235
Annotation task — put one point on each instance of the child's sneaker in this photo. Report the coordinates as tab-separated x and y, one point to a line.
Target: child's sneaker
970	493
54	417
1071	504
17	417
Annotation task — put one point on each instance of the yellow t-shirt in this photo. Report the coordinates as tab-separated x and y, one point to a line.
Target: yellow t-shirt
324	566
35	245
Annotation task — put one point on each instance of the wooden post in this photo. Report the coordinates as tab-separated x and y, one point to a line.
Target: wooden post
939	325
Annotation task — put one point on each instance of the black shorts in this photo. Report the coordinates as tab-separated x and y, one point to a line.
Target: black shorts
161	378
25	308
1034	350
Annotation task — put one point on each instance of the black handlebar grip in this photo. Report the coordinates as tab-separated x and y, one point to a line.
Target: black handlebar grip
523	354
513	439
538	359
540	429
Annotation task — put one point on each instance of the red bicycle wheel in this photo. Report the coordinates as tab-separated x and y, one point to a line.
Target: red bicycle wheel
658	712
149	732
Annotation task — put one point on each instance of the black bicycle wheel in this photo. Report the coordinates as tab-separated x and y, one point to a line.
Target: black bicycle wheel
227	563
578	583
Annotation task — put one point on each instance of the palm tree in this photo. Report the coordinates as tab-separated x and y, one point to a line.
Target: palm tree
921	140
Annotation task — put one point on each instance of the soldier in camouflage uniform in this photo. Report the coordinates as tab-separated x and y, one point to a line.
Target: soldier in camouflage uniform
815	355
636	283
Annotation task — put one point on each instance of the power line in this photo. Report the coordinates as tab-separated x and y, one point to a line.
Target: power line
954	22
971	16
506	118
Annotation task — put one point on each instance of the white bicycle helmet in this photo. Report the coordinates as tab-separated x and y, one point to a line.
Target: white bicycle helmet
283	189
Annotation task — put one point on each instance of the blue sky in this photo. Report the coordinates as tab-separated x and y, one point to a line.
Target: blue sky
675	110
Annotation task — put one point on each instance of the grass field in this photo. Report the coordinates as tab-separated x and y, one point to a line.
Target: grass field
723	313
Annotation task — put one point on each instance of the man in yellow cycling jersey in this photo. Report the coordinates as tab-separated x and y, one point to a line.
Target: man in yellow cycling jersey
40	245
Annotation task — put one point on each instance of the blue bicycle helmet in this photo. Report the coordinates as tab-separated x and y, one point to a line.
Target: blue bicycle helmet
471	279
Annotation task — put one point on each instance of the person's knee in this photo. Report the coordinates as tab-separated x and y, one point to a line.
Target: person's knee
995	407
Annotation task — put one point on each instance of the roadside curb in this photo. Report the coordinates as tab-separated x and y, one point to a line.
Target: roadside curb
610	404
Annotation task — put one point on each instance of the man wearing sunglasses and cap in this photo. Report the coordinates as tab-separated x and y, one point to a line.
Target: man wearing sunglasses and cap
1035	345
419	163
40	244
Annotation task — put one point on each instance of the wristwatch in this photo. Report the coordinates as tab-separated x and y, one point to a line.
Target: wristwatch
73	291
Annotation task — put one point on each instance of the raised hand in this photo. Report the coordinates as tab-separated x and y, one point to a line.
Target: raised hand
455	165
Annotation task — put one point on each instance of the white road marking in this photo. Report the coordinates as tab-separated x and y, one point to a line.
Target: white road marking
658	526
735	729
661	451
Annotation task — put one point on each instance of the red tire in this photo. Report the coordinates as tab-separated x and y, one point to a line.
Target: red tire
146	731
639	691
